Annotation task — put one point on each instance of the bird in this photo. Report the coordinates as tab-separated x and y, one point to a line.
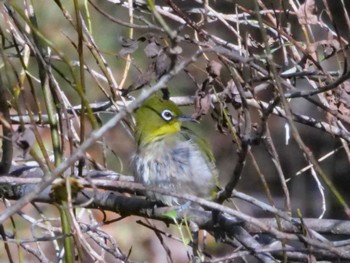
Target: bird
171	156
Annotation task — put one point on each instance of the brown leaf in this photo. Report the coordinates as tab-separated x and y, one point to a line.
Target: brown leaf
152	49
311	50
202	104
23	141
339	99
307	13
344	94
221	122
162	65
343	109
129	46
251	42
330	46
234	94
141	80
214	68
346	86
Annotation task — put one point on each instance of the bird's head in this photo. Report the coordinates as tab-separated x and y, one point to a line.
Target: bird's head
157	118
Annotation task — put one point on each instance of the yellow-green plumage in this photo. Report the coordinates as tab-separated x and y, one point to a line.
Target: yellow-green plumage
170	156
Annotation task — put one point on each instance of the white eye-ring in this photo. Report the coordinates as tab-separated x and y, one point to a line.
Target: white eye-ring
167	115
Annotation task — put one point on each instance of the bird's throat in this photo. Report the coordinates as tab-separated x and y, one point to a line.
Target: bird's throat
164	130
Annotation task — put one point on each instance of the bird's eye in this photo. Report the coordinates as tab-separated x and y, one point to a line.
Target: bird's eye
167	115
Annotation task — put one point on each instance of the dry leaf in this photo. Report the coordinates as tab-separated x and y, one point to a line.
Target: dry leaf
307	13
129	46
221	123
214	68
346	86
202	104
152	49
141	80
330	46
162	64
344	98
23	140
339	99
234	94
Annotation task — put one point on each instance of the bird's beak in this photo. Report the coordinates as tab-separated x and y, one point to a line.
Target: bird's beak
187	118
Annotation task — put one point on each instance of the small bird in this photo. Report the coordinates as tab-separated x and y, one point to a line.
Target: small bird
171	156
